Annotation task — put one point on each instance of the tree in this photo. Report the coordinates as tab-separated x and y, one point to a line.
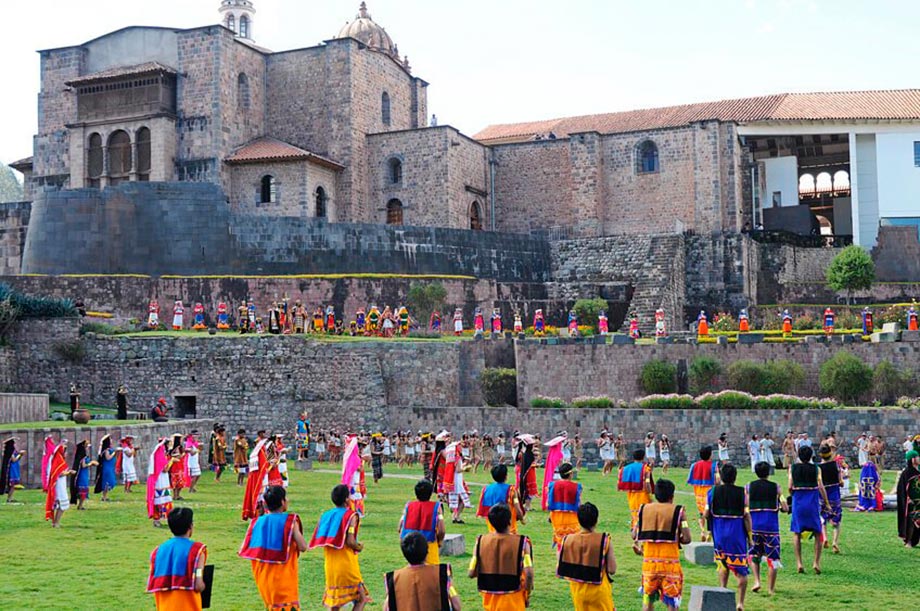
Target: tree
588	309
423	299
10	187
851	270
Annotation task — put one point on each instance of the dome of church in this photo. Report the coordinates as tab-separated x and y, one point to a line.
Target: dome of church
366	30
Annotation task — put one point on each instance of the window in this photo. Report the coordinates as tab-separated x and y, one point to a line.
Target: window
394	212
646	157
475	217
394	167
320	202
267	190
385	108
244	26
119	157
231	23
917	154
94	157
143	154
243	99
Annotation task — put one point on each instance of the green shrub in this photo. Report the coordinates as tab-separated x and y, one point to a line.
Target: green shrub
890	314
727	399
552	402
806	322
851	270
704	371
99	328
37	307
908	402
724	322
779	401
658	377
746	376
668	401
845	377
592	402
847	319
889	382
71	351
499	386
587	311
765	378
423	298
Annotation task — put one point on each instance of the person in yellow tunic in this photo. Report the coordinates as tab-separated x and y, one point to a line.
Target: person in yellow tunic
423	585
502	565
587	562
177	566
273	543
337	534
636	480
563	500
501	492
426	517
660	530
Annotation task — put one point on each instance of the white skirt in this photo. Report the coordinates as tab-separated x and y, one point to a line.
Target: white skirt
61	494
194	465
665	457
128	471
410	451
320	448
458	326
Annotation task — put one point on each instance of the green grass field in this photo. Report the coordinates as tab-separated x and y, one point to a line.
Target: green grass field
99	559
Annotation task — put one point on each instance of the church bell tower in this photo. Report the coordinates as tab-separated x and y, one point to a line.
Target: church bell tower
237	15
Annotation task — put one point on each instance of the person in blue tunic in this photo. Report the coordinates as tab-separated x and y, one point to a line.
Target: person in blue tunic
730	523
830	477
106	479
808	498
79	480
869	488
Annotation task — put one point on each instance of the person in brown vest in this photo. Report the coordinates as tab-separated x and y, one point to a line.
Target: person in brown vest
502	565
660	529
587	562
420	586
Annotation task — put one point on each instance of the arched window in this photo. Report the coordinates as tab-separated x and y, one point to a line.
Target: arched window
824	183
385	108
321	199
394	170
143	154
646	157
267	190
475	217
806	185
119	157
231	22
394	212
244	26
243	98
94	160
841	181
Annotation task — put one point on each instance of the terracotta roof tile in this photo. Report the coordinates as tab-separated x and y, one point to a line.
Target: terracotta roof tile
22	164
122	71
902	104
271	149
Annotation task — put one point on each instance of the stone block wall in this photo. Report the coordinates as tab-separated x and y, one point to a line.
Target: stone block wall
296	183
14	222
57	106
533	186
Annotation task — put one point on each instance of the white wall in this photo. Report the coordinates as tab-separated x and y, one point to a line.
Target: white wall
782	174
865	203
898	178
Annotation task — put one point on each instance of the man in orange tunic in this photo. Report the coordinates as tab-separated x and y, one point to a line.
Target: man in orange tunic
660	530
273	543
177	566
502	565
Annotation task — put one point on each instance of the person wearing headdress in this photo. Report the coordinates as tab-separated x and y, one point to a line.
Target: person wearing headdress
808	497
79	481
539	325
908	491
223	316
787	322
603	325
573	324
868	324
502	565
178	315
869	488
193	459
241	456
452	483
373	321
744	323
273	543
586	560
660	325
330	319
277	456
159	493
377	456
499	491
243	317
198	320
251	318
57	497
300	318
353	475
178	471
729	517
913	318
434	322
218	452
426	517
496	322
124	462
702	325
832	514
703	476
765	500
403	316
284	315
637	481
47	452
659	531
153	314
829	318
106	479
176	577
555	456
388	322
360	321
525	469
634	324
518	325
274	319
479	323
74	399
458	322
337	533
563	499
10	471
256	478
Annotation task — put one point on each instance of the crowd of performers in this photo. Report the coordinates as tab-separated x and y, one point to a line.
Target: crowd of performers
741	521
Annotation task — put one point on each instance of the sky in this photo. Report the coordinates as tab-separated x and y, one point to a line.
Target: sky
502	61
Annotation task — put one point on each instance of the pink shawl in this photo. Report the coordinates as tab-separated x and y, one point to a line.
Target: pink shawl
351	460
46	459
553	459
157	464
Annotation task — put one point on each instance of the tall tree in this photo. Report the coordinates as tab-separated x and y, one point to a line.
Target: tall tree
851	270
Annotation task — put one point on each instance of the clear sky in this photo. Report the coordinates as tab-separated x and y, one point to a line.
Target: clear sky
498	61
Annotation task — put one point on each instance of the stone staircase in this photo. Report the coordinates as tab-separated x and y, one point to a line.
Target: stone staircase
659	283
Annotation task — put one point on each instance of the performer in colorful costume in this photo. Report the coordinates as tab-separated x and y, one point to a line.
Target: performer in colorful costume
273	543
458	322
573	324
478	323
586	560
450	480
832	514
106	480
426	517
660	530
47	453
870	491
744	323
603	325
361	321
373	321
496	321
730	523
79	483
257	478
702	325
57	497
501	492
636	480
525	469
403	315
554	459
868	325
284	316
353	475
909	500
153	314
337	534
434	322
300	318
274	319
243	318
10	470
251	316
808	496
502	565
829	318
787	322
539	326
330	319
518	323
198	323
178	316
303	436
177	566
563	499
913	324
660	325
423	584
159	494
703	476
223	316
765	499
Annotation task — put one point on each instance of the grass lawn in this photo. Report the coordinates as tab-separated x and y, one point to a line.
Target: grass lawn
99	559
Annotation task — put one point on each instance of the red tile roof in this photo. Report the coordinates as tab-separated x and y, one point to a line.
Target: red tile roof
120	72
22	165
855	105
270	149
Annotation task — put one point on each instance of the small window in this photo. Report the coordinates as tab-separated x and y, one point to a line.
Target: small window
267	190
394	212
320	202
243	98
394	167
777	199
143	154
475	217
385	108
231	23
917	154
94	165
647	158
119	157
244	26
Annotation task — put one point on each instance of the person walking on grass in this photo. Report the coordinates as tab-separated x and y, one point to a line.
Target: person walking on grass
830	477
765	500
422	585
730	523
704	474
425	517
337	534
661	528
502	565
176	577
586	560
808	497
499	491
636	480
